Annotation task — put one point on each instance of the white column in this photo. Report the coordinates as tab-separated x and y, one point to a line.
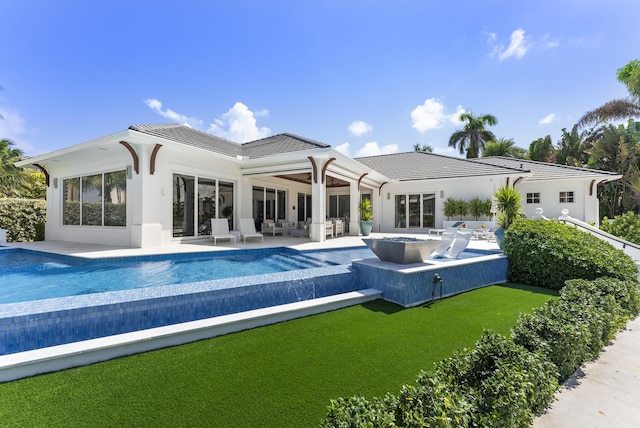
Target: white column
354	214
318	204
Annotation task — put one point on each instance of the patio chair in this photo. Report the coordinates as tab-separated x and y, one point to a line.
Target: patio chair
328	228
460	242
270	227
248	230
339	228
220	230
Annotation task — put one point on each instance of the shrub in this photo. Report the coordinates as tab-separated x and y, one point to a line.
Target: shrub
505	383
575	328
21	218
355	412
625	226
548	253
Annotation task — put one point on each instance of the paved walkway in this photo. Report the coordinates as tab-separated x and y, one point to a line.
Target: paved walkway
606	392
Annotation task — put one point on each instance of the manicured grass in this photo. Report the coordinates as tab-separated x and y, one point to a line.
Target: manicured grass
277	376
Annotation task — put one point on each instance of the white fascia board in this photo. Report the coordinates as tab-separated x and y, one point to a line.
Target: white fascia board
92	144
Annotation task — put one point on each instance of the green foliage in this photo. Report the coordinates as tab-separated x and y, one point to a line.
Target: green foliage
499	383
477	207
504	147
574	328
366	213
473	137
450	208
548	253
541	149
630	76
508	202
23	218
356	412
460	208
625	226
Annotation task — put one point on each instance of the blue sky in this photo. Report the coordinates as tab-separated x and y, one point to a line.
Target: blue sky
367	77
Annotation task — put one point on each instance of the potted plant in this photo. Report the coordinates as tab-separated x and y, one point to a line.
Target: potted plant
366	216
508	205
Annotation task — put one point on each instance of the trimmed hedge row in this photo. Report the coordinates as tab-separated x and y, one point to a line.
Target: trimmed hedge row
505	381
23	218
548	253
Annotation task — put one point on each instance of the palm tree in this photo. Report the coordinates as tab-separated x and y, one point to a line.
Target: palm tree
504	147
473	137
541	150
619	109
572	146
424	148
12	179
617	149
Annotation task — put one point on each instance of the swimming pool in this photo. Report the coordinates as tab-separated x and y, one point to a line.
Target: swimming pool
31	275
35	324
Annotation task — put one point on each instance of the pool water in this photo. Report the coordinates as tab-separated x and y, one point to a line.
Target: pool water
27	275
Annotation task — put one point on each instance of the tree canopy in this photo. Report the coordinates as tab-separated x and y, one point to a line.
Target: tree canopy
473	137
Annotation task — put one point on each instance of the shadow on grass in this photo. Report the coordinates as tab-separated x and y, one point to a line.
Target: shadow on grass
383	306
390	308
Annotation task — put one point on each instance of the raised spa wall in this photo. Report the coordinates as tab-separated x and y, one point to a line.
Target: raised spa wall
413	284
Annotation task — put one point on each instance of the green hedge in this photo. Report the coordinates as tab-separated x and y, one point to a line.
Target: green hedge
548	253
23	218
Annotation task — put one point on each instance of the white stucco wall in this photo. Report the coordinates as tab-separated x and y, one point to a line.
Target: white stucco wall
462	188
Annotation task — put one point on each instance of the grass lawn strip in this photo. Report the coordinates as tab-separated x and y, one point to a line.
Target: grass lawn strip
276	376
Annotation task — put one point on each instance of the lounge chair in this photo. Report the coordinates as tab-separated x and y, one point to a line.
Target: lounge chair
220	230
248	230
447	240
460	242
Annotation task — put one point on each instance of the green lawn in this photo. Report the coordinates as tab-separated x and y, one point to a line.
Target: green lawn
277	376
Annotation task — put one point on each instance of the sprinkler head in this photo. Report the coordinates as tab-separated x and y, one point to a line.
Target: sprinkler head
437	278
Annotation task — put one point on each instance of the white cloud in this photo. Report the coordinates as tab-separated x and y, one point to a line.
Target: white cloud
359	128
518	46
13	128
455	117
547	119
343	148
432	115
156	106
372	149
239	124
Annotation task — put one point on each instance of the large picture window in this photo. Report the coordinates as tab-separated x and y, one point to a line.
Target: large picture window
96	200
415	211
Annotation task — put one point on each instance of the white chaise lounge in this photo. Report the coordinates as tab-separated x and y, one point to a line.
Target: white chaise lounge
220	230
248	230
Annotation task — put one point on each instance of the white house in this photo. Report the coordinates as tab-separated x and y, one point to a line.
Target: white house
150	185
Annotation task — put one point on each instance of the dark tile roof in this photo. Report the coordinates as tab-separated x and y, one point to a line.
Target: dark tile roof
545	171
191	137
277	144
429	166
